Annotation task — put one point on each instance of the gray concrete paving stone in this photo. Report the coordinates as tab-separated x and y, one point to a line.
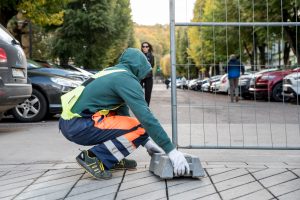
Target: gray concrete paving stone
15	185
234	182
139	182
141	190
214	196
259	195
11	192
20	178
134	175
252	170
178	181
296	171
104	197
28	194
94	185
52	196
286	187
66	166
241	190
87	179
17	174
215	171
4	167
51	177
51	183
158	194
294	195
228	175
194	193
95	194
256	167
59	171
41	166
267	172
186	186
277	179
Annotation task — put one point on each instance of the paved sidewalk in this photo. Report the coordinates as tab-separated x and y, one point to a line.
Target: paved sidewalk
223	180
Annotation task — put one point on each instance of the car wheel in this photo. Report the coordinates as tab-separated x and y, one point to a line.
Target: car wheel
277	93
32	109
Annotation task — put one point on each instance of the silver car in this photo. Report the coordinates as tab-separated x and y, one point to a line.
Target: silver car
14	85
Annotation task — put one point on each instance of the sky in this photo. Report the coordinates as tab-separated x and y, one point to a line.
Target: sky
150	12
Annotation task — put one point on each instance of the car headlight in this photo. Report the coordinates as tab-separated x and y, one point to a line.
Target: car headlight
65	82
268	77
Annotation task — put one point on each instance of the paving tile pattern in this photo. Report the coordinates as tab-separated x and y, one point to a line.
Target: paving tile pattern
223	181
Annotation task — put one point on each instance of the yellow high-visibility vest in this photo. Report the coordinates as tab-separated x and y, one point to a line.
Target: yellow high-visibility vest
69	99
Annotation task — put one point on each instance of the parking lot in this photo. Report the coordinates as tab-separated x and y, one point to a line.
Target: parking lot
37	162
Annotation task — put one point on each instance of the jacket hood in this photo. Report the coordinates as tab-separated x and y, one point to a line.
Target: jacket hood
134	60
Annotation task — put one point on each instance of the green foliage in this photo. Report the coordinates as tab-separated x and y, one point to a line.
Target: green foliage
94	33
157	36
43	12
211	45
166	65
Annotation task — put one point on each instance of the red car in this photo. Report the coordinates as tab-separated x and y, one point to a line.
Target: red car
269	84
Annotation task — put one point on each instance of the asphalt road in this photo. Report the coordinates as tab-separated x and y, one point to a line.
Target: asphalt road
204	119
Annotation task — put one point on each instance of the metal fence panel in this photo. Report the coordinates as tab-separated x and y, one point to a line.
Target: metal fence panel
209	120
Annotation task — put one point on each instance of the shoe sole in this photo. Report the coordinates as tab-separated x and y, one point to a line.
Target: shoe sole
83	165
121	169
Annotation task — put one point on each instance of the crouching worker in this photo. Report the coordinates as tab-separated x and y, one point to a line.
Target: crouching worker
97	114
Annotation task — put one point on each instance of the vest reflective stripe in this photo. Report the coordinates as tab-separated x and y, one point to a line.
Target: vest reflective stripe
69	99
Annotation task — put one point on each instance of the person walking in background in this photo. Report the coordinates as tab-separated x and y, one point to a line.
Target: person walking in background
147	82
183	83
234	69
167	82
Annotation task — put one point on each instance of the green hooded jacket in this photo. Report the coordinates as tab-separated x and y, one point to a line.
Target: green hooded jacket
124	88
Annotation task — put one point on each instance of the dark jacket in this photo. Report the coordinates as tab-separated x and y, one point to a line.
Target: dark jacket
234	68
150	59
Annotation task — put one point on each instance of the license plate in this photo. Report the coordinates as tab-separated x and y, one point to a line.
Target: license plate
18	73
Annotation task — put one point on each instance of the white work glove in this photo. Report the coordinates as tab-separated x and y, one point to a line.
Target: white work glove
179	162
152	148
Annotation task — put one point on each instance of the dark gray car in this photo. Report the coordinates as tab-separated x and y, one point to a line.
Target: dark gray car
14	85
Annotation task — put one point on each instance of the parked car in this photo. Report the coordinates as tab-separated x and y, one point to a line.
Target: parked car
201	83
212	81
48	86
291	85
269	84
214	87
192	84
14	85
73	70
244	84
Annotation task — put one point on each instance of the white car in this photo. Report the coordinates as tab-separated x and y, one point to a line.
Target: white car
244	82
291	85
224	84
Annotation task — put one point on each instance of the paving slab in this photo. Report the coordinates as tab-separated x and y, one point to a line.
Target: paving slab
291	195
221	182
259	195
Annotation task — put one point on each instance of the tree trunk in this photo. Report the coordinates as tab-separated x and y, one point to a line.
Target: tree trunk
250	56
292	38
262	55
286	54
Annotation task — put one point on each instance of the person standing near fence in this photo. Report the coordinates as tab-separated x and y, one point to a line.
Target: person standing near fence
234	69
147	82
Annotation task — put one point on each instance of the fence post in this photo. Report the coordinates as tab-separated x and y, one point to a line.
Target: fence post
173	72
